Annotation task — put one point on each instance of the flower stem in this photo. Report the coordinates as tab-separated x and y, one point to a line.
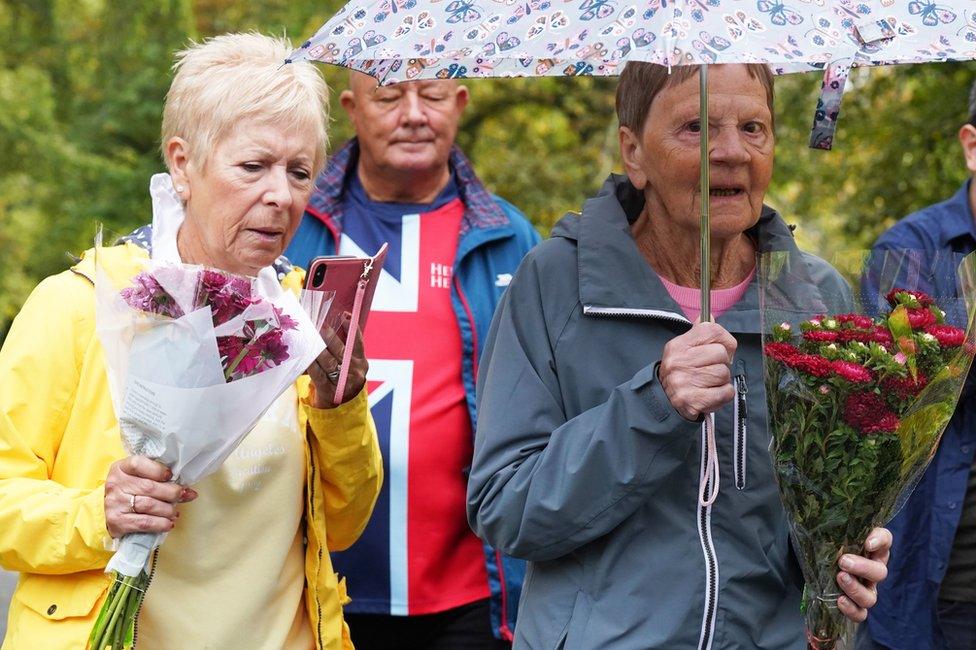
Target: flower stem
118	606
114	623
102	621
236	362
131	612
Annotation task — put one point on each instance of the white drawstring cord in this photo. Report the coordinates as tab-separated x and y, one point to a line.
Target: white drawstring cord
710	471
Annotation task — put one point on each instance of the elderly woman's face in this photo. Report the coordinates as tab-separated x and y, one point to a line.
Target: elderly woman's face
664	160
246	203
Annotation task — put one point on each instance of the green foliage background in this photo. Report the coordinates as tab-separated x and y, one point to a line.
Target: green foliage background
82	84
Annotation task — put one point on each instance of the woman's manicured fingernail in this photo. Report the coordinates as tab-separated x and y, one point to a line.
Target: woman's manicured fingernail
846	578
846	563
871	545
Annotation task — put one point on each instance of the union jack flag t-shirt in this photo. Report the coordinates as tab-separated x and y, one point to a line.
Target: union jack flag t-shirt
417	554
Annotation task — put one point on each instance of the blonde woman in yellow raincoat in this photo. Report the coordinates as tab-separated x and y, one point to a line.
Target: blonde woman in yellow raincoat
246	562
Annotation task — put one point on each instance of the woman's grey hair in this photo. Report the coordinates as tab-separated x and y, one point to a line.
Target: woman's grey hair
229	79
640	83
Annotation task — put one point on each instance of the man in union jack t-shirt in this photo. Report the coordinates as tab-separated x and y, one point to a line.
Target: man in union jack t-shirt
418	577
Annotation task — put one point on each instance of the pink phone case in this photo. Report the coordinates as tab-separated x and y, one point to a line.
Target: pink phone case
342	274
354	281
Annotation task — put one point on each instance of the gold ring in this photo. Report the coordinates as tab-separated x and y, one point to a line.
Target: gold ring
132	503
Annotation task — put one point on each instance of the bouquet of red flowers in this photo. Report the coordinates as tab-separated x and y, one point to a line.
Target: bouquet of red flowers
857	405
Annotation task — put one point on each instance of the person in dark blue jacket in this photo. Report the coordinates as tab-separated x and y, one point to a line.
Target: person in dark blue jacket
929	599
418	576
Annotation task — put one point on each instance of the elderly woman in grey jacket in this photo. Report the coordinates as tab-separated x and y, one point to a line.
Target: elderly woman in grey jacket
589	453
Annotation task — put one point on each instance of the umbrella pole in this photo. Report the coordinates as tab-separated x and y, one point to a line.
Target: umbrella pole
705	232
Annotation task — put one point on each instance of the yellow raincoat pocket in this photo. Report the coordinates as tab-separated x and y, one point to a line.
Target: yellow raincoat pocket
57	608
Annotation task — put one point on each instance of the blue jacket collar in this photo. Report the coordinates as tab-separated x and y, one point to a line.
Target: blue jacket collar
957	220
481	211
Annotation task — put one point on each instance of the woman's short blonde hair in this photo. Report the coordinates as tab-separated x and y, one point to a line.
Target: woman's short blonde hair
234	77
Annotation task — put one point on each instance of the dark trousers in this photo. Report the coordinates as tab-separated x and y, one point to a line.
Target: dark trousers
464	628
957	625
956	630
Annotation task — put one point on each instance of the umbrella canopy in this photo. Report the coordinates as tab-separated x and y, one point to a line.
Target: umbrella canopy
403	40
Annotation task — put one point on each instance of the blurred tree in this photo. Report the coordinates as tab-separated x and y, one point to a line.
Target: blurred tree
81	86
895	151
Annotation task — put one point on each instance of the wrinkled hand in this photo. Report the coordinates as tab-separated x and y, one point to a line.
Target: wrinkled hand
324	370
695	370
138	498
860	575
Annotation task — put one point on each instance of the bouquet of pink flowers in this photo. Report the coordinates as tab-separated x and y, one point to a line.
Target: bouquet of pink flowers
258	342
194	358
857	406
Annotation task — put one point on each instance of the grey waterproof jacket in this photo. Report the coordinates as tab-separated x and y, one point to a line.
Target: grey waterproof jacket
582	466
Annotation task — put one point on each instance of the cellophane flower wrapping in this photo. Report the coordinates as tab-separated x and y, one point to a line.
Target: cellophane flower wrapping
194	356
863	371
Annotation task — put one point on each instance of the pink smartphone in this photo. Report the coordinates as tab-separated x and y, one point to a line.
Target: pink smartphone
342	275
